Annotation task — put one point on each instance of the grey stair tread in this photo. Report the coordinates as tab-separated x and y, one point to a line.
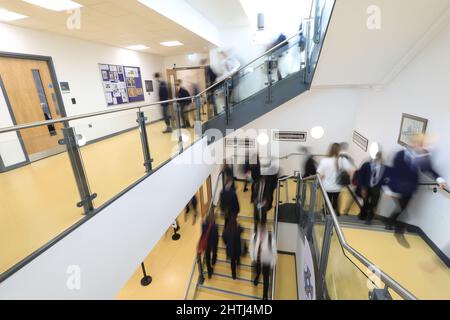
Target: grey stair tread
204	287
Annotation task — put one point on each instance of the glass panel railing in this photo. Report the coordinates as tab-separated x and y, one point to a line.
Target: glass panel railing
286	60
192	286
343	272
115	163
318	232
343	279
249	81
39	200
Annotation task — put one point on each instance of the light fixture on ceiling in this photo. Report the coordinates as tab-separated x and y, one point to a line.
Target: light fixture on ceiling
55	5
174	43
7	16
138	47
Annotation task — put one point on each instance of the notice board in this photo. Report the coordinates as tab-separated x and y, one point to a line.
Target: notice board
121	84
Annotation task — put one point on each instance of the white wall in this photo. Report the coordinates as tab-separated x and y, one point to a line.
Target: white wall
108	248
422	89
76	61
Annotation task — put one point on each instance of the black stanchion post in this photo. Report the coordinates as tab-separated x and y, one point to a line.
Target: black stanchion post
146	279
176	236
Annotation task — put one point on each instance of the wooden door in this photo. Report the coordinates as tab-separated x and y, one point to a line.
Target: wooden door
30	90
205	196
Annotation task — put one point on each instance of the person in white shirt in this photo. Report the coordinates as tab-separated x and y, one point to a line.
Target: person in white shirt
332	170
263	252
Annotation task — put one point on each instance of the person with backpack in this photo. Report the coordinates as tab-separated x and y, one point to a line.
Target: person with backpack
263	252
208	243
232	238
343	154
370	178
335	173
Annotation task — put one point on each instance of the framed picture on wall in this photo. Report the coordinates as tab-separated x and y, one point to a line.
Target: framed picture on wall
410	127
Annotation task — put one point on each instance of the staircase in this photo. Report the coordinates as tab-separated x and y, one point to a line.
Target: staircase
221	286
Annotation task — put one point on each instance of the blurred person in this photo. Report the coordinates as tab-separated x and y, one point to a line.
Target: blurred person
163	95
260	198
252	171
192	203
263	253
183	93
229	66
347	202
229	202
210	236
211	77
310	167
370	178
334	170
278	53
232	238
403	177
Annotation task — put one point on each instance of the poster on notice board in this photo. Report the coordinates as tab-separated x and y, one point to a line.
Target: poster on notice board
121	84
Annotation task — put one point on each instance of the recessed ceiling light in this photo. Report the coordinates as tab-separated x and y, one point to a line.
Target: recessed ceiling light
138	47
7	16
55	5
171	43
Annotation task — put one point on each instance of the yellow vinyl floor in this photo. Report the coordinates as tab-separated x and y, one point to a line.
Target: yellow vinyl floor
286	278
38	201
407	259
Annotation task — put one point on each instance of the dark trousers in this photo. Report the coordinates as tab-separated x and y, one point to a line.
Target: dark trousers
234	262
201	277
393	220
334	196
259	214
184	116
166	115
266	277
211	258
370	203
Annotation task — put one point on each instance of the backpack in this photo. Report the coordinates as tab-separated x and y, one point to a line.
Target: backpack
343	178
203	243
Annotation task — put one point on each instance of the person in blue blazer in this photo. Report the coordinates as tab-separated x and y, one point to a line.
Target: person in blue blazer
371	177
403	177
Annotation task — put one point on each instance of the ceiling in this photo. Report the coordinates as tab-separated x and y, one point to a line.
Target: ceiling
222	13
353	55
113	22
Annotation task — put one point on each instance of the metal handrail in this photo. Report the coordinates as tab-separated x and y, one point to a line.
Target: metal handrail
216	187
85	115
275	227
391	283
434	184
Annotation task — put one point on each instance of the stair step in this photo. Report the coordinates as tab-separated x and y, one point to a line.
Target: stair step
223	268
237	286
210	293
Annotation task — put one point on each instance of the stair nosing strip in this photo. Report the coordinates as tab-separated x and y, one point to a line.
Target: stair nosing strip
201	286
230	277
